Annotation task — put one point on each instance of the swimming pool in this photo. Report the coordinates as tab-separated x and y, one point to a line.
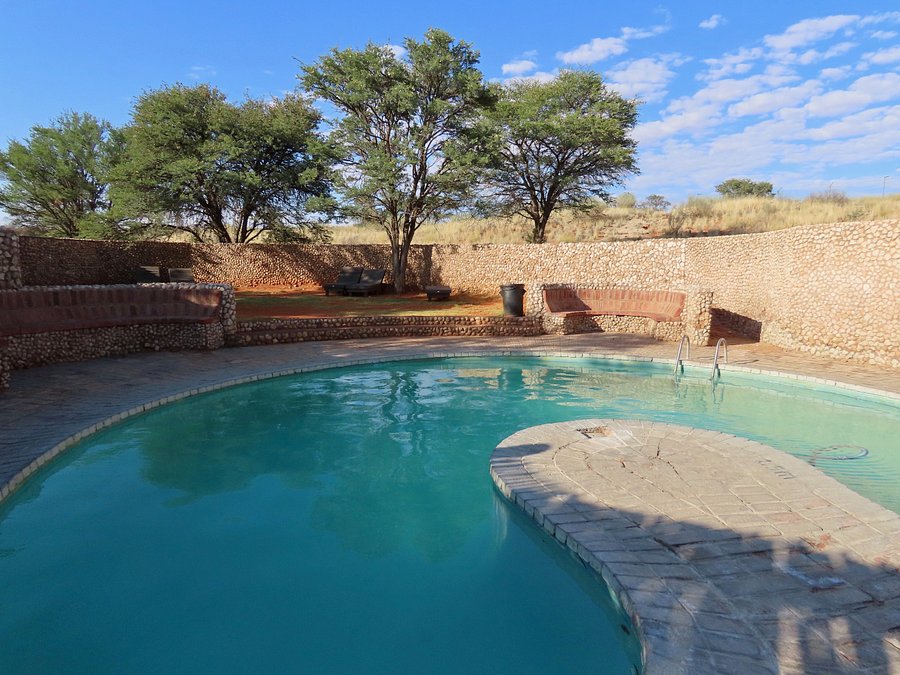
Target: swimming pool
344	520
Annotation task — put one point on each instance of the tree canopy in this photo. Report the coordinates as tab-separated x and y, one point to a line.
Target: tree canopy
744	187
197	163
558	143
400	128
55	183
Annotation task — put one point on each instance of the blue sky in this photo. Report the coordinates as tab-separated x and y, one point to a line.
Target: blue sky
805	94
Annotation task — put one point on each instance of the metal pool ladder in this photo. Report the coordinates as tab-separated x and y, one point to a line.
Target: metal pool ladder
679	366
715	365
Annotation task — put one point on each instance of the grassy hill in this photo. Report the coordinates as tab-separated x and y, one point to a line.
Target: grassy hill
698	216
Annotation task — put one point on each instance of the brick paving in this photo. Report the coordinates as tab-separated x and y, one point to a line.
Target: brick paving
737	577
730	556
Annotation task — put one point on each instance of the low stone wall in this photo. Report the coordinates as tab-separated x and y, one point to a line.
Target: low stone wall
274	331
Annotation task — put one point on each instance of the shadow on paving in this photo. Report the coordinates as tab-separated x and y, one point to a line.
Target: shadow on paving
715	600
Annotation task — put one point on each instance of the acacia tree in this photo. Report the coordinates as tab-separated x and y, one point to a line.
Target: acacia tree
400	129
197	163
558	143
744	187
55	183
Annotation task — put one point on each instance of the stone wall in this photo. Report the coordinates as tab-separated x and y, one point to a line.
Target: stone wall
829	290
47	261
275	331
10	263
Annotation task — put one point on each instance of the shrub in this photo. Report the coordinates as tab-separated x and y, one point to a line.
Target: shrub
655	203
744	187
626	200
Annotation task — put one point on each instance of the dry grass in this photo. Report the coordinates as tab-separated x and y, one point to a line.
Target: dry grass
696	217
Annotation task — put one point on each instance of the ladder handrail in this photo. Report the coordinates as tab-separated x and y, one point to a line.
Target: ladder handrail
715	366
678	355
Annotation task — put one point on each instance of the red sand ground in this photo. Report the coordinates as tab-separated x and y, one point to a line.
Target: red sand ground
311	302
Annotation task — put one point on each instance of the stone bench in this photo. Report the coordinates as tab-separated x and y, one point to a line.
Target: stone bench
47	324
51	309
663	314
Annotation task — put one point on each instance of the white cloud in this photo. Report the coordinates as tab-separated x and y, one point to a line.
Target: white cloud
809	124
776	99
540	76
814	55
864	91
201	72
736	63
518	67
599	49
629	33
714	21
835	73
884	56
866	122
808	31
645	78
398	50
696	120
893	17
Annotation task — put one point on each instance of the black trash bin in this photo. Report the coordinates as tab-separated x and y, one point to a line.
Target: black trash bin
513	299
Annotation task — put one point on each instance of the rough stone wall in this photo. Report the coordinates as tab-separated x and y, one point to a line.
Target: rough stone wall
274	331
35	349
10	262
832	290
61	262
71	262
483	268
829	290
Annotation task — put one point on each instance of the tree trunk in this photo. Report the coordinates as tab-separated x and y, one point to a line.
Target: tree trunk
400	257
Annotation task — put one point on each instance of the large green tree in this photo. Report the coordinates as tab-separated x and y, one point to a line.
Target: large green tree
559	143
195	162
744	187
400	124
55	183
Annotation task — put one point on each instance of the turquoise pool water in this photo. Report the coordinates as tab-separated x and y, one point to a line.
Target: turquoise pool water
344	521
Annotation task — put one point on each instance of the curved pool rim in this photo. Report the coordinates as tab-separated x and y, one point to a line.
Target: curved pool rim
338	362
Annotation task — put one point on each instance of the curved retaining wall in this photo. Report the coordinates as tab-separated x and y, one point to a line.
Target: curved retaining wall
828	290
274	331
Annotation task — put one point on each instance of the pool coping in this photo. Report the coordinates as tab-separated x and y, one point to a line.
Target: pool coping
422	352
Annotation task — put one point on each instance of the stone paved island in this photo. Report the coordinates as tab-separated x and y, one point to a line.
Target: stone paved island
730	556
